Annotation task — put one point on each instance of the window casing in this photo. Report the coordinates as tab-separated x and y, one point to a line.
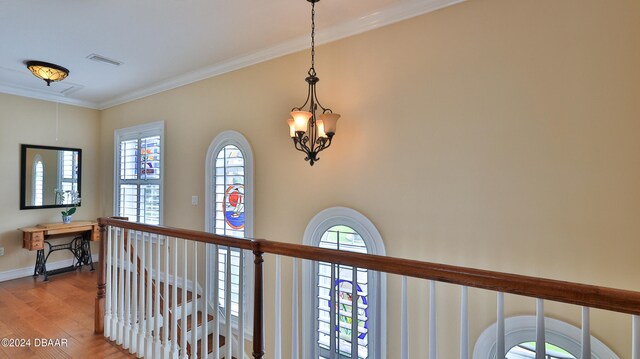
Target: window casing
139	168
229	188
334	295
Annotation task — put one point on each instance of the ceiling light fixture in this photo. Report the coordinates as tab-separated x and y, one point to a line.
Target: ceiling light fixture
46	71
311	134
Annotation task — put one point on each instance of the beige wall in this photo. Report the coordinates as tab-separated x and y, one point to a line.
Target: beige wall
493	134
27	121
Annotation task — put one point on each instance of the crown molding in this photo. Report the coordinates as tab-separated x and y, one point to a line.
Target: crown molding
369	22
387	16
46	96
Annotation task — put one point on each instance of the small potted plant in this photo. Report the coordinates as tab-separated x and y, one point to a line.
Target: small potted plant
71	199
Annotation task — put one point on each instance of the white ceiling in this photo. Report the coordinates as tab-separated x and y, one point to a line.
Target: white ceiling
163	44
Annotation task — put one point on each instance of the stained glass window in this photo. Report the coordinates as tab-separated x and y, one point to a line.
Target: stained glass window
229	216
342	299
139	173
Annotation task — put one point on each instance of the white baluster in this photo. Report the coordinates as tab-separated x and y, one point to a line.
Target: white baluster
277	348
464	323
157	348
500	351
133	241
142	335
149	276
205	307
540	339
175	352
241	305
635	335
115	288
126	343
121	280
166	316
404	326
194	304
108	287
227	306
335	297
183	337
294	313
433	337
354	312
586	334
216	301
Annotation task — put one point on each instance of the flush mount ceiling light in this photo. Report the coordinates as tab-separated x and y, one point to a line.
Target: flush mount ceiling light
46	71
311	134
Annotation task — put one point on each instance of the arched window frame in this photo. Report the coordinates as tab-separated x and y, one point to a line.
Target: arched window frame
522	329
222	140
318	225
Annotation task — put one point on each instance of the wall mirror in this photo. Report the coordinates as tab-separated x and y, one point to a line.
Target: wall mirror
49	175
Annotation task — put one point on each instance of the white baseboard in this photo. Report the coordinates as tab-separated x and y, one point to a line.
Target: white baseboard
28	271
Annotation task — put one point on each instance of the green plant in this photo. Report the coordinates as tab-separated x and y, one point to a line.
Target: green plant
70	198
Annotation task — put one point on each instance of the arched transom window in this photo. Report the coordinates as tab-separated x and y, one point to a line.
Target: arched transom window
347	315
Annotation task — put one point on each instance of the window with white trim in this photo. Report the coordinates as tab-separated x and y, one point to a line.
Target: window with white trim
345	314
230	212
562	340
37	189
68	170
139	173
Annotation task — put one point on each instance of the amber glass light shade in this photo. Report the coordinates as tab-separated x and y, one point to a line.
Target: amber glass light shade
329	120
292	128
300	119
46	71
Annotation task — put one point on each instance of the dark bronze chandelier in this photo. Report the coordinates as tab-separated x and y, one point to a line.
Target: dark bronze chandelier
311	133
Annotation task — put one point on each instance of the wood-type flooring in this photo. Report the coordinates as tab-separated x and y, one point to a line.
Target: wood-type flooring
54	318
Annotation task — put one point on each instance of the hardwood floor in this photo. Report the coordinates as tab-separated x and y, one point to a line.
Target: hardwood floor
56	317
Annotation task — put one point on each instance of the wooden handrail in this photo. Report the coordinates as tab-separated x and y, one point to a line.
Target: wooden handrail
617	300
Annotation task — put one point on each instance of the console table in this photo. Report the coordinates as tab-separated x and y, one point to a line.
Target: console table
37	238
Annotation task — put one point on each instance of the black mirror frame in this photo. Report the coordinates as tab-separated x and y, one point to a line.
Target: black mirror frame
23	173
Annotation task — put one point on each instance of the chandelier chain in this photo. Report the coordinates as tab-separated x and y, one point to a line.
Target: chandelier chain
312	70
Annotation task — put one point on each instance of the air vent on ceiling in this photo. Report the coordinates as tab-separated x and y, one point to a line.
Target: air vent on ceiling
100	58
69	90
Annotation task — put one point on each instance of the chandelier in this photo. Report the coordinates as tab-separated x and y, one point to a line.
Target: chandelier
311	133
46	71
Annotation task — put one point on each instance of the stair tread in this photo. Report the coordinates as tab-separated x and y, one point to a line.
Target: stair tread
221	342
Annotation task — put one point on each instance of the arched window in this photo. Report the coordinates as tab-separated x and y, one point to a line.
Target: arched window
344	307
37	189
229	212
563	340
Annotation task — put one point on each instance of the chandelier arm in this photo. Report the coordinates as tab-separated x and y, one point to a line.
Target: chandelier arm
300	146
325	143
300	108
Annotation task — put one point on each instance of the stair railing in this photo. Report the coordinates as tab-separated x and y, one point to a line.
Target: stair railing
109	312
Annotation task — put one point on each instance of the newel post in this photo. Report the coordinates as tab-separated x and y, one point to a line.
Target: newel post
258	345
102	282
